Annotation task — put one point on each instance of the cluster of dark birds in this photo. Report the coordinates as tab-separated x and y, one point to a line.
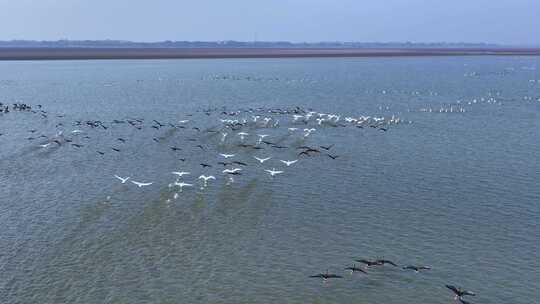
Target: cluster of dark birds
458	291
4	108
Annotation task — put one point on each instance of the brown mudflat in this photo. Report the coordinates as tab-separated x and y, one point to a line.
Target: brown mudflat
192	53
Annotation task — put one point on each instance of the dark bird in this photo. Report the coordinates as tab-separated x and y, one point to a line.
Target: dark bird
459	292
101	153
158	123
175	149
205	165
327	147
239	163
332	156
368	263
117	150
155	139
200	146
312	150
182	159
223	163
353	268
304	153
77	145
196	128
382	262
416	268
121	139
383	129
325	276
155	127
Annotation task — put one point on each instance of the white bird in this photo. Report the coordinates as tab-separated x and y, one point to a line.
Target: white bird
181	173
207	178
273	172
76	131
45	145
297	117
289	162
261	137
183	121
223	136
182	185
234	170
242	135
226	155
262	160
292	129
141	184
122	179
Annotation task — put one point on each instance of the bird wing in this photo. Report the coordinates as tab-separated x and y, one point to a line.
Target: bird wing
364	261
452	288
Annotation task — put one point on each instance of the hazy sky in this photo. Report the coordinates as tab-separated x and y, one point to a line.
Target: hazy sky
499	21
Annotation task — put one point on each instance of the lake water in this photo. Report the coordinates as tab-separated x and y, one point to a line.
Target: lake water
455	185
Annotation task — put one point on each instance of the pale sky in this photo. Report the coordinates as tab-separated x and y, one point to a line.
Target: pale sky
496	21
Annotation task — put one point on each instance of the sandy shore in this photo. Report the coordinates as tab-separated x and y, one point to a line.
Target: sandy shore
187	53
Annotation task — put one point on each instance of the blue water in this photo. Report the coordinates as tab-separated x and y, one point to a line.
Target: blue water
453	185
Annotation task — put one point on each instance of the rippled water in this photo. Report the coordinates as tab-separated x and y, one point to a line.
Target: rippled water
458	191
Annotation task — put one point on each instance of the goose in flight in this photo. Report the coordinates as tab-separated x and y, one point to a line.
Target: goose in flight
289	162
139	184
273	172
262	160
459	292
122	179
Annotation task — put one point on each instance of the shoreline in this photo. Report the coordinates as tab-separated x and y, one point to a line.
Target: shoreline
231	53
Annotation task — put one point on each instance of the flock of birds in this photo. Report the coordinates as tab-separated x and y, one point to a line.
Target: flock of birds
252	135
459	293
269	139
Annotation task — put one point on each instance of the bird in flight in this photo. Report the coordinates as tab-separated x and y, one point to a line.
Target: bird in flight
122	179
459	292
417	268
289	162
262	160
181	173
354	269
273	172
325	276
139	184
226	155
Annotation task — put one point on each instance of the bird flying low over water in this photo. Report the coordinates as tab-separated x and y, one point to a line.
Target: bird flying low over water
262	160
325	276
289	162
226	155
353	269
122	179
181	173
273	172
416	268
139	184
459	292
382	262
234	170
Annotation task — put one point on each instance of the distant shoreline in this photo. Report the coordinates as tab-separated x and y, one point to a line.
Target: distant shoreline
50	53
